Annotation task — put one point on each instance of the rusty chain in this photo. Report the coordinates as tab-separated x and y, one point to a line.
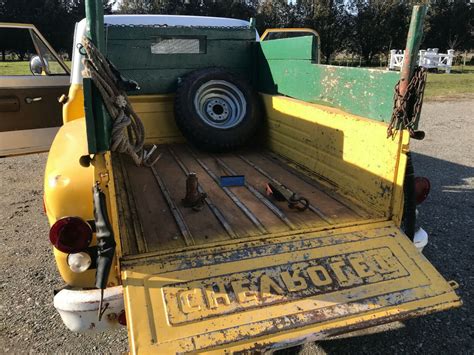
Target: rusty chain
407	108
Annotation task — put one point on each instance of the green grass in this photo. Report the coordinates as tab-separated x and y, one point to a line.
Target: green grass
14	68
456	84
23	68
440	85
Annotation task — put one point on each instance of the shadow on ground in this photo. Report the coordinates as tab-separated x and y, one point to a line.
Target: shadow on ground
448	217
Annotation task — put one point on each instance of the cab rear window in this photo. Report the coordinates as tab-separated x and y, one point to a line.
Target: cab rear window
179	45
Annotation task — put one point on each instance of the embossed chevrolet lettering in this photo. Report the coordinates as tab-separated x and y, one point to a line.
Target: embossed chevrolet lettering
281	283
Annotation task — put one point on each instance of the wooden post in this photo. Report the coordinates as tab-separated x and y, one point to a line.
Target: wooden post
464	61
415	34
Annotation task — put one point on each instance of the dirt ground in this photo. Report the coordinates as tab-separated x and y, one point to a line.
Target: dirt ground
29	323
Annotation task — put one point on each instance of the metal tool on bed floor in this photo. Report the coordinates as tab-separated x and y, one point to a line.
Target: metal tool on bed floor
229	180
193	198
282	193
232	180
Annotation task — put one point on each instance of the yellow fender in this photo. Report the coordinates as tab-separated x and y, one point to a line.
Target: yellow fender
68	192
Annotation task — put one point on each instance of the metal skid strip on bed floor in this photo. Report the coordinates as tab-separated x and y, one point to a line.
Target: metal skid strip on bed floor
183	227
275	181
232	196
279	213
215	210
284	163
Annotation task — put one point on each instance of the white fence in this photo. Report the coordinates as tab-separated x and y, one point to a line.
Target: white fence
429	58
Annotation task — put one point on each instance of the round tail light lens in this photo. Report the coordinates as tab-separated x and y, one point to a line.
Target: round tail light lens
79	262
70	234
422	189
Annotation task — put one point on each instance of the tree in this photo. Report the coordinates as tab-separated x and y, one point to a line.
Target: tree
218	8
23	11
54	18
277	14
366	27
230	8
331	20
450	25
136	6
377	26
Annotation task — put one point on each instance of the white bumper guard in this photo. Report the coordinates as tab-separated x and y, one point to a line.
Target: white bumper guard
79	308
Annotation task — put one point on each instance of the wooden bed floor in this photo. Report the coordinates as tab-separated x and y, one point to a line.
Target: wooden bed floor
155	219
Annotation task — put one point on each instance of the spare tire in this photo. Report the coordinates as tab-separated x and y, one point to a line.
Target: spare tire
216	110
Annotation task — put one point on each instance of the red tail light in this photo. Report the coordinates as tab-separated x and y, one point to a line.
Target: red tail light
422	189
70	234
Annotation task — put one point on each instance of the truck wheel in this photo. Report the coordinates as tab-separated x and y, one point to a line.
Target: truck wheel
216	110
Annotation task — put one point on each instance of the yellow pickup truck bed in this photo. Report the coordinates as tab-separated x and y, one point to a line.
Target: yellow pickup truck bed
157	219
246	272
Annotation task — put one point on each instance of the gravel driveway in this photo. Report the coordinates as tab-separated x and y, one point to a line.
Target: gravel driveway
29	323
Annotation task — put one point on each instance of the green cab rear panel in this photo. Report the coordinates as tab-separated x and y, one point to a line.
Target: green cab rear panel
156	57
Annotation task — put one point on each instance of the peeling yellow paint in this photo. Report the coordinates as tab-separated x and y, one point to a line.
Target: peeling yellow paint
231	300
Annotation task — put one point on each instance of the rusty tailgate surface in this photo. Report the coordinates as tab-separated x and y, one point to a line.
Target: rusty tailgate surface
255	294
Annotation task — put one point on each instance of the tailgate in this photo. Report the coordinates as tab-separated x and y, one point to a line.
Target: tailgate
278	292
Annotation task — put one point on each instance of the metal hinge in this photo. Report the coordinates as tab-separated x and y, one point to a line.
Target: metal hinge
104	178
454	285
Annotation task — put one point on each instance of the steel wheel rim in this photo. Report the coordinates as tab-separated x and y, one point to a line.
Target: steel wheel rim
220	104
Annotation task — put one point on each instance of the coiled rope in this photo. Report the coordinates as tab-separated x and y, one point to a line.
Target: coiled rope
128	132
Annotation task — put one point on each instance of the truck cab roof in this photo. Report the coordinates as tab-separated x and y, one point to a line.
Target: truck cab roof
173	20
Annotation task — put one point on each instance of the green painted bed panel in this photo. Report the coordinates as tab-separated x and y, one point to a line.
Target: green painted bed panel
360	91
304	48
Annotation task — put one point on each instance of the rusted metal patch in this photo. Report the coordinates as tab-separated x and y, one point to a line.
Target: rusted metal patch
267	347
259	247
201	299
336	314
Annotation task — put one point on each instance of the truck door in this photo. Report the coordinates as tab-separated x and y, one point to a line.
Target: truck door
32	79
